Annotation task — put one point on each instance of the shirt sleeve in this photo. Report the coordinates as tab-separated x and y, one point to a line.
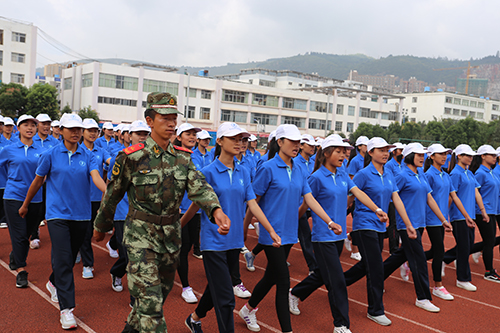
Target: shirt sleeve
350	183
200	192
452	188
359	180
400	181
314	185
44	164
352	168
93	163
305	187
3	157
262	180
249	193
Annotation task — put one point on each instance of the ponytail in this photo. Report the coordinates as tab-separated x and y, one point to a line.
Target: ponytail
453	162
476	163
353	154
321	157
428	163
368	159
217	150
274	149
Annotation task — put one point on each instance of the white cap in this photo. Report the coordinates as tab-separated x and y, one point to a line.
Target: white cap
43	117
25	117
231	129
288	131
1	119
498	151
252	138
186	127
335	141
8	121
71	120
309	139
55	123
125	128
118	127
438	148
107	125
464	149
397	145
341	138
362	140
89	123
320	141
486	149
414	147
318	138
272	135
376	142
202	135
139	126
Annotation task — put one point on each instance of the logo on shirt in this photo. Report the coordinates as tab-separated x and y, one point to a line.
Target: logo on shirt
390	182
241	182
82	163
344	183
36	155
98	157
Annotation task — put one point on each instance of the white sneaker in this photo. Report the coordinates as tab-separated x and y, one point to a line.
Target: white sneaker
250	318
112	253
405	272
293	303
443	265
257	228
426	305
356	256
442	293
466	285
341	329
3	225
53	292
241	292
475	257
87	272
348	244
67	319
42	223
381	320
244	250
251	226
188	295
35	244
116	283
249	259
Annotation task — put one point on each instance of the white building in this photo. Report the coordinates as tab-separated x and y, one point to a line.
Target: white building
258	99
17	52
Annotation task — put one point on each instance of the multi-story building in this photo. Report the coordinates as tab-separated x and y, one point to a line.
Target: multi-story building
384	81
17	52
474	86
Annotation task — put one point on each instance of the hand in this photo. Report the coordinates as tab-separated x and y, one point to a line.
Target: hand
486	218
470	222
447	226
98	236
222	221
23	211
412	233
276	239
337	229
382	216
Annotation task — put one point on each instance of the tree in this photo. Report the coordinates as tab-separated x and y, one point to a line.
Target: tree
87	112
433	131
13	99
66	109
42	98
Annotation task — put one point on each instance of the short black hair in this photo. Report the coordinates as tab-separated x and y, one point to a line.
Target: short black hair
150	113
410	159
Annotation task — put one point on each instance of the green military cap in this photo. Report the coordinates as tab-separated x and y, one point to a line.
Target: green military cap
163	103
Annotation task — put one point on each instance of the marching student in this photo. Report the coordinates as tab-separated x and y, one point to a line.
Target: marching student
330	184
8	128
67	169
21	159
271	149
200	156
252	149
106	141
3	171
56	132
278	185
465	183
231	182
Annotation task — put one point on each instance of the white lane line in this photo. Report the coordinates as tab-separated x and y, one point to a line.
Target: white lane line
80	323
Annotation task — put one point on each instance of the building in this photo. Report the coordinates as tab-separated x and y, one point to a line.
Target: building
384	81
17	52
52	70
478	87
257	99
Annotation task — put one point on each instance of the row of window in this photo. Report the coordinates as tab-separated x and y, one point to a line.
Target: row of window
116	101
14	57
466	102
16	37
190	113
464	113
204	94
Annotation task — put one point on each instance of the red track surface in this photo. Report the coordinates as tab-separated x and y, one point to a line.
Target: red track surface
100	309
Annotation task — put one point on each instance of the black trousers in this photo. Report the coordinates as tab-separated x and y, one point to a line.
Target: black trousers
36	232
66	237
478	246
371	244
86	249
20	228
488	232
392	231
120	266
464	238
413	252
436	252
330	274
3	219
219	291
276	274
189	235
305	241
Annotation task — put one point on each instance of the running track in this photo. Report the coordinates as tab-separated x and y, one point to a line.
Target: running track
100	309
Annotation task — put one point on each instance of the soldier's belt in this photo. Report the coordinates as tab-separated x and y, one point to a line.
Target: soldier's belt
156	219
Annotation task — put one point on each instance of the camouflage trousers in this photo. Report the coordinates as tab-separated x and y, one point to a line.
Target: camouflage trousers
150	277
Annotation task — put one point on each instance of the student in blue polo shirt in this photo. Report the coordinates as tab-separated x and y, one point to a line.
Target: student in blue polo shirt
466	185
278	185
357	161
231	182
252	149
8	130
330	184
43	137
21	159
4	141
394	164
67	169
200	156
106	141
246	160
482	165
271	149
56	132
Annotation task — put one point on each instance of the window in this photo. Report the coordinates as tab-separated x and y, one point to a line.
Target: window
17	57
190	112
340	109
160	86
234	116
291	103
18	37
414	99
317	106
479	115
266	83
299	122
205	113
494	107
206	94
118	81
192	92
393	116
457	101
235	96
364	112
465	102
68	83
338	126
87	80
448	99
447	110
413	120
265	100
319	124
1	57
473	103
118	101
385	116
264	119
351	110
350	127
1	37
494	117
456	112
464	113
480	105
472	114
413	110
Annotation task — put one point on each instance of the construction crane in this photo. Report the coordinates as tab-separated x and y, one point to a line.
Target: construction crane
468	74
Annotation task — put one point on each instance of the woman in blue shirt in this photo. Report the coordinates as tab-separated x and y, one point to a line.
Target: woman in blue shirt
329	183
357	161
21	159
231	183
67	169
252	148
200	156
278	185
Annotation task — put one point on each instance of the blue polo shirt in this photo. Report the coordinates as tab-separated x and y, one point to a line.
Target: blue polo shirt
280	188
447	163
200	161
103	143
496	172
3	170
379	187
262	159
357	163
313	158
490	188
413	189
47	143
123	206
21	162
100	156
440	183
233	190
393	166
256	156
307	167
116	147
465	184
248	163
68	182
331	191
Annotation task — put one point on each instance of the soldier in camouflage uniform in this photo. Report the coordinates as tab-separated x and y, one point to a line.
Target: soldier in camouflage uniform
155	174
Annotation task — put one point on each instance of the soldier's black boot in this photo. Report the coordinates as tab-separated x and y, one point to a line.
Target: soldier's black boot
129	329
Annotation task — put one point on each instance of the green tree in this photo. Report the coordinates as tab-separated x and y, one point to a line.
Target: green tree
467	131
66	109
42	98
411	130
433	131
363	129
87	112
13	99
394	132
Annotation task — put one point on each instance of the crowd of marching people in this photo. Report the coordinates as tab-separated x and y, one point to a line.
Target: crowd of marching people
54	173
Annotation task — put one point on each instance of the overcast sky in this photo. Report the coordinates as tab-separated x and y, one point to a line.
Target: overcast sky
212	33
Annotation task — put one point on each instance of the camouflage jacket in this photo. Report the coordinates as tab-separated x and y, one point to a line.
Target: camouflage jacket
155	181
